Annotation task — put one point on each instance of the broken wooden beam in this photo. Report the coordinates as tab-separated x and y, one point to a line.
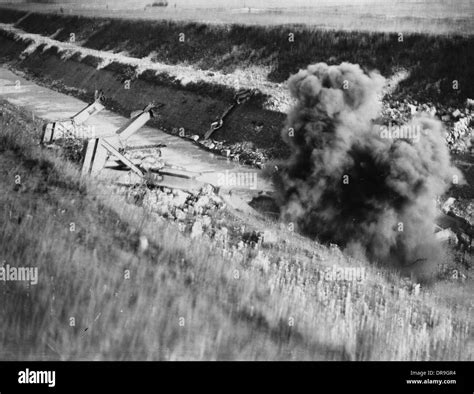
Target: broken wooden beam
71	127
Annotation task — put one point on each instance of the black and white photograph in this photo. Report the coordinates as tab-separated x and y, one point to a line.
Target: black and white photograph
237	184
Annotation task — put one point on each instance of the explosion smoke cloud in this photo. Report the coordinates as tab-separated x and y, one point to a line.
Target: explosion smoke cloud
346	183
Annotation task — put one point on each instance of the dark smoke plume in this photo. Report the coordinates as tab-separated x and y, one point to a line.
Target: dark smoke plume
349	183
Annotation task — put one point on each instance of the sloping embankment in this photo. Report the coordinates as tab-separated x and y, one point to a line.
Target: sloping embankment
434	61
192	98
195	69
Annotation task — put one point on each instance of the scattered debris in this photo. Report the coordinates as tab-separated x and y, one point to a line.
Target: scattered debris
447	235
148	159
242	152
447	204
463	209
458	121
71	128
240	97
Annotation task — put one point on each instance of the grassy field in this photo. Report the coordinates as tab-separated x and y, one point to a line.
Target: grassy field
426	16
101	296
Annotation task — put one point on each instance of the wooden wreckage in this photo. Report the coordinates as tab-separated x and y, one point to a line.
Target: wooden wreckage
105	157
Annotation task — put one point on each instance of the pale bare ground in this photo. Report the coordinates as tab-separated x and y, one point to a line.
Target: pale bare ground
431	17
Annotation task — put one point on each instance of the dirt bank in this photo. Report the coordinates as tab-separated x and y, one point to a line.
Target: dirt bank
229	47
196	82
189	106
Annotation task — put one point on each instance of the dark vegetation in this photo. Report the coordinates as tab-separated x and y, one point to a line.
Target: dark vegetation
434	61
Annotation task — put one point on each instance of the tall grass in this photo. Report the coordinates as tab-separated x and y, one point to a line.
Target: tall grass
186	298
